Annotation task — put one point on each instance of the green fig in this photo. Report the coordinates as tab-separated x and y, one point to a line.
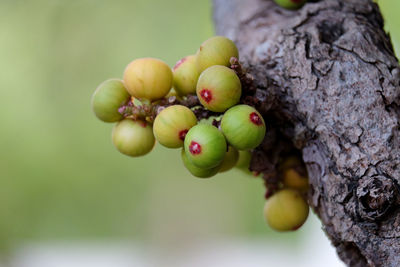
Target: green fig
244	161
218	88
108	98
230	159
217	50
172	124
243	127
185	76
196	171
205	146
133	138
291	4
148	78
286	210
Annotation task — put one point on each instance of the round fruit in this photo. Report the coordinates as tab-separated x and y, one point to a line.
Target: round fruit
230	159
196	171
186	76
133	138
172	124
218	88
205	146
286	210
106	100
291	4
294	174
148	78
243	127
217	50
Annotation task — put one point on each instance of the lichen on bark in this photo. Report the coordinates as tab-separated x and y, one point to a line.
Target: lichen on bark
328	76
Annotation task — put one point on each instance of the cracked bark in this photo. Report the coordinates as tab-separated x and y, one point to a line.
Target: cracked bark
334	81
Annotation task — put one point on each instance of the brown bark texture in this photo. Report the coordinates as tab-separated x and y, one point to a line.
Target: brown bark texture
328	77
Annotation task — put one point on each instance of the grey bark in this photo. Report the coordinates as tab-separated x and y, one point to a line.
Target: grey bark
335	82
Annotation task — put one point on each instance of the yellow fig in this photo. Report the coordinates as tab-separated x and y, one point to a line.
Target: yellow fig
185	76
148	78
286	210
172	124
217	50
293	173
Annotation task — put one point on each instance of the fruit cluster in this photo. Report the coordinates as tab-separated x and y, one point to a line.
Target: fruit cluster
207	150
197	107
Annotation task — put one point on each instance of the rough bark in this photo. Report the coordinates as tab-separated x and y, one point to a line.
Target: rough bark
335	83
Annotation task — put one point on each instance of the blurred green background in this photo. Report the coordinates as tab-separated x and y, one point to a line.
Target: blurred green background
61	178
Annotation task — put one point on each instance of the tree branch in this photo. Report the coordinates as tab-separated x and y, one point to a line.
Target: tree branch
335	83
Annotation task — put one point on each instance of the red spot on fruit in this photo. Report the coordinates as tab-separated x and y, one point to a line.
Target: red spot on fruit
255	118
179	63
195	148
206	95
143	124
182	134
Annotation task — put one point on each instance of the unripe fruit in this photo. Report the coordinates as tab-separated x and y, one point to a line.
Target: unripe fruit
133	138
218	88
172	124
294	174
217	50
186	76
286	210
291	4
205	146
196	171
243	127
230	159
148	78
107	99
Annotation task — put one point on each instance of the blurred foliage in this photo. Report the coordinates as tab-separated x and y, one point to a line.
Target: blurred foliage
61	178
390	10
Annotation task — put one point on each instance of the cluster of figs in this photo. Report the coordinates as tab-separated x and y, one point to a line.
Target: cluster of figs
206	148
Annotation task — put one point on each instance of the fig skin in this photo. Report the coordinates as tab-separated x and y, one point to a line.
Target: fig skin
185	76
218	88
243	163
205	146
294	174
291	4
148	78
217	50
133	138
230	159
172	124
286	210
196	171
108	98
243	127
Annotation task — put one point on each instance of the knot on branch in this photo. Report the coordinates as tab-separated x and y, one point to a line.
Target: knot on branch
376	197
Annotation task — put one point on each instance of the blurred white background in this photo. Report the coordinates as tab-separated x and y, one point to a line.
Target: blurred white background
315	250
